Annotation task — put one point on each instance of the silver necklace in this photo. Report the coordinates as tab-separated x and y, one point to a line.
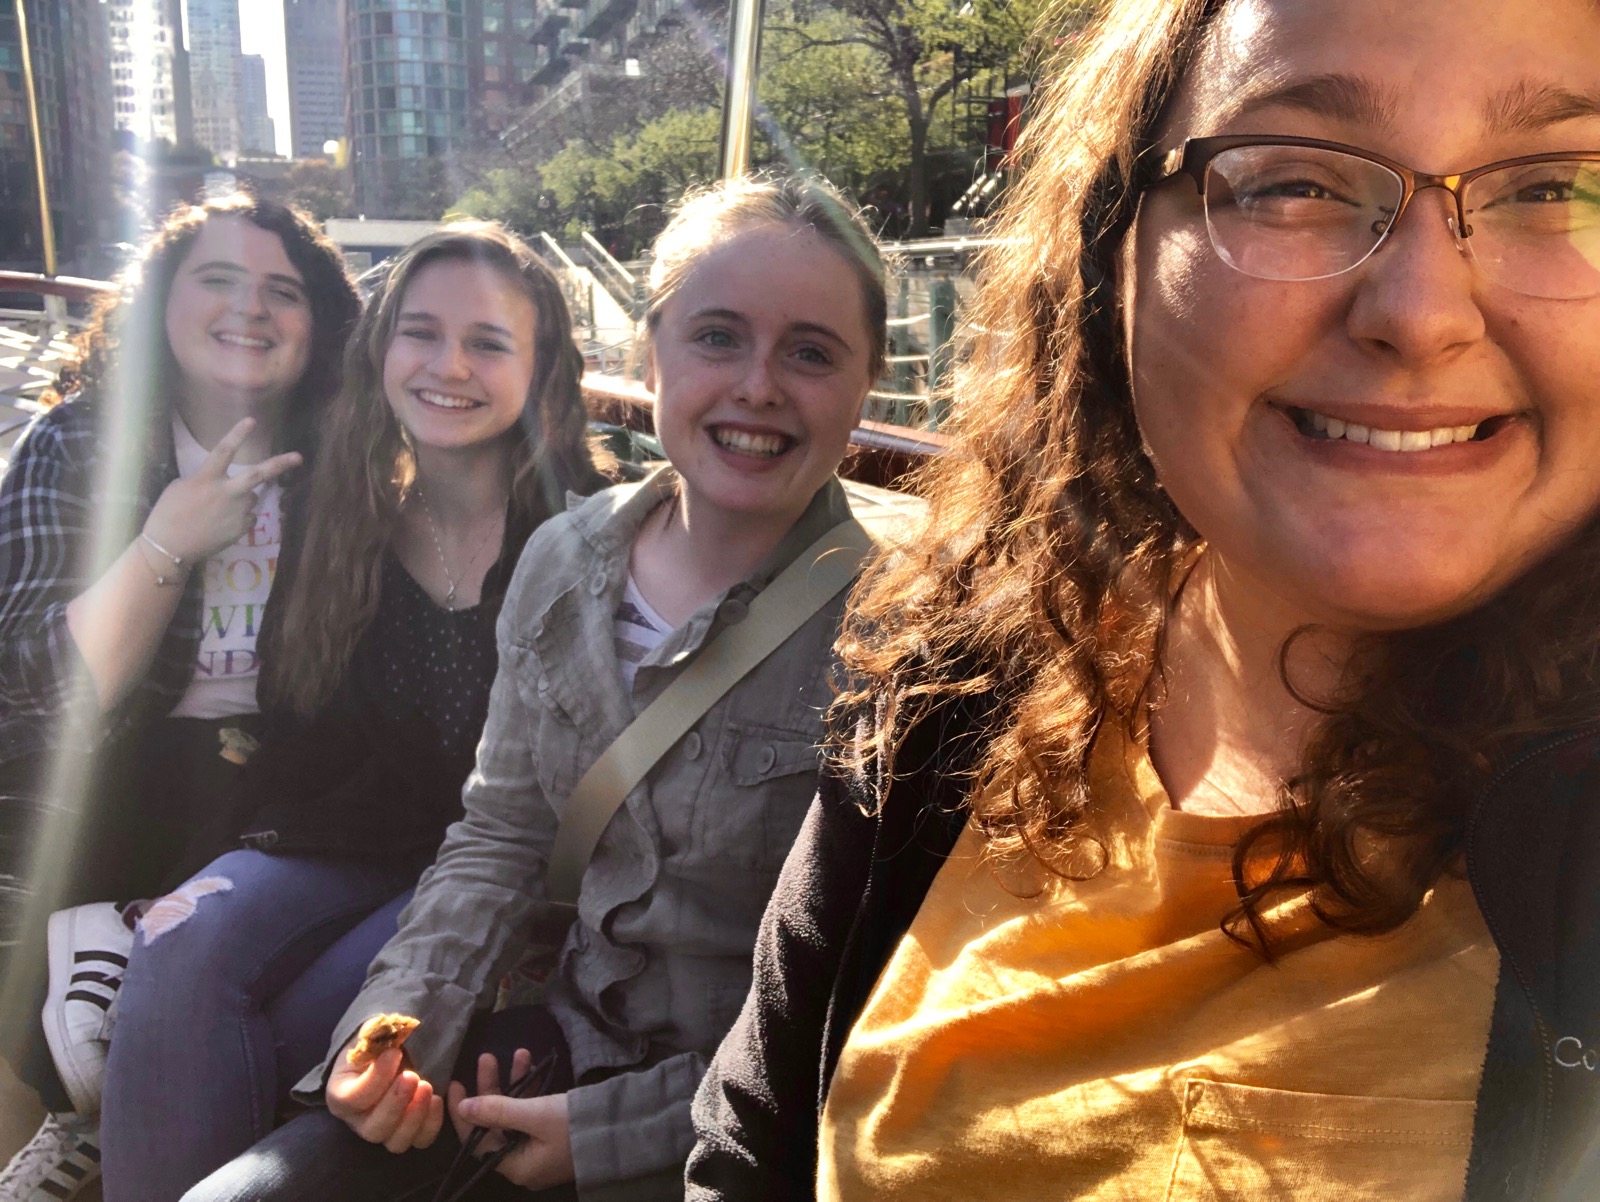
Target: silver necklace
438	545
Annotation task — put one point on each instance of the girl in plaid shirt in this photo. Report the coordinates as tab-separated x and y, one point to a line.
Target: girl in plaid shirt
196	392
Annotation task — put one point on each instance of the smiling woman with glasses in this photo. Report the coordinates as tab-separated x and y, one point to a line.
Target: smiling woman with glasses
1215	809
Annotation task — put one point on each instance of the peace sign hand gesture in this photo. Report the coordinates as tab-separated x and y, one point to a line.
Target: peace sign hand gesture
197	516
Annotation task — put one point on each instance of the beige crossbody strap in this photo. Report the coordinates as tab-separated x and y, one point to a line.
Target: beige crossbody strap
816	576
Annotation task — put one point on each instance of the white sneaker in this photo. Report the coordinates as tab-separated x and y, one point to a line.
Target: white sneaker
88	950
56	1164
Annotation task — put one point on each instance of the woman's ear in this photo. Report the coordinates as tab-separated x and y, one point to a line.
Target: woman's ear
649	365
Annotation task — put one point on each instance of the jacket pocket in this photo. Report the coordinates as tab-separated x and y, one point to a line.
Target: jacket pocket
552	733
1242	1142
769	775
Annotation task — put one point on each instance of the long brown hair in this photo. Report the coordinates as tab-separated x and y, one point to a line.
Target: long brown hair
1042	579
368	463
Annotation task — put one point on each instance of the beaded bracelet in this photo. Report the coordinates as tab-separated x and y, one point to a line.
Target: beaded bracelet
177	562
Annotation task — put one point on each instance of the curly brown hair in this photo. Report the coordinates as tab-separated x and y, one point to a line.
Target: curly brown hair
124	351
1042	580
359	484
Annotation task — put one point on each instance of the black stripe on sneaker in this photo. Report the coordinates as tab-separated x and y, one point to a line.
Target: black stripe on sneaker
89	1149
83	995
108	957
73	1169
57	1189
97	978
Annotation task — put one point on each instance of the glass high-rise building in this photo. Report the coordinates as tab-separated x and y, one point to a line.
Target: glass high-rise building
213	29
150	71
314	43
407	96
256	134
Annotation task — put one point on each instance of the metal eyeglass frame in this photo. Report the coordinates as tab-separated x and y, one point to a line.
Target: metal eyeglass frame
1195	155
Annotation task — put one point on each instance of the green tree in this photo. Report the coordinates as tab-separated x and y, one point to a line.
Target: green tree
827	105
319	188
927	48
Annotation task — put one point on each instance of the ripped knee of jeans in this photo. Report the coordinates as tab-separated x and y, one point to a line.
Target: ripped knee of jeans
172	911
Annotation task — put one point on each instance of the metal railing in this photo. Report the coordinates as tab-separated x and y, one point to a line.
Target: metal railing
36	343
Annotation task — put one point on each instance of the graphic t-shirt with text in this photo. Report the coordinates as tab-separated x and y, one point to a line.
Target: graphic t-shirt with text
237	580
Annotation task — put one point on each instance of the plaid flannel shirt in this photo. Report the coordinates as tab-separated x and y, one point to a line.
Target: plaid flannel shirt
59	485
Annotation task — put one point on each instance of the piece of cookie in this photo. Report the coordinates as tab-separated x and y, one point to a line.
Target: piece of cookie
378	1035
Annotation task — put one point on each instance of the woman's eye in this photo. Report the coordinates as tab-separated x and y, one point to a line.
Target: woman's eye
417	333
1549	192
815	354
288	296
1293	189
486	344
714	338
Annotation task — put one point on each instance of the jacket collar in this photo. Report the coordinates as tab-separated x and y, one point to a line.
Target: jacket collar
611	522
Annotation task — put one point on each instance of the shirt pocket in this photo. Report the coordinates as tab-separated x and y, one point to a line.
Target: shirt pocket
1243	1142
751	817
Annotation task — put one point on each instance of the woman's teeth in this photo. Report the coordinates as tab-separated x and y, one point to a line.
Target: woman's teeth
255	344
441	401
1323	426
745	443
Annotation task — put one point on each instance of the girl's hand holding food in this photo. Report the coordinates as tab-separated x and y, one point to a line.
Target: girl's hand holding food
377	1096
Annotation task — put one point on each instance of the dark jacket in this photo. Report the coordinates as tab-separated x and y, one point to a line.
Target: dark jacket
854	882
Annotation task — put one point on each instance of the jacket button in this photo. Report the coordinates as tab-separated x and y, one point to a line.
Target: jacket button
732	611
691	745
597	583
769	757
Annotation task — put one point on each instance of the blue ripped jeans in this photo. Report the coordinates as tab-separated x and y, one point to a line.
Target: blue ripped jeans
221	1013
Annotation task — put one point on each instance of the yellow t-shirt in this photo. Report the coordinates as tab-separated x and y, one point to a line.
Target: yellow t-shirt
1103	1039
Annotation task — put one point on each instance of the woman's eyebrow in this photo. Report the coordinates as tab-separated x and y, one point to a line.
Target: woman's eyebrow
482	327
1528	105
719	314
812	327
1349	98
240	269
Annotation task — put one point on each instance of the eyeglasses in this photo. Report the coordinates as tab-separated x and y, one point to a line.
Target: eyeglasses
1304	209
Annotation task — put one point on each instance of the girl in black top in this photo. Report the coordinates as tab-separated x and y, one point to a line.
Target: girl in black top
460	428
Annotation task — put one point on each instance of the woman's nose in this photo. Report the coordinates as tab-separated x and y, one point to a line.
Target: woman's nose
450	360
251	300
759	386
1418	296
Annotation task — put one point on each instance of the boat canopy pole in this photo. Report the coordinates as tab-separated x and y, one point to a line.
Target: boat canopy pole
46	226
739	99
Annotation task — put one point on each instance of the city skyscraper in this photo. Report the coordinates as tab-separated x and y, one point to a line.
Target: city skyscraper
314	44
213	28
150	70
69	42
408	101
427	80
256	134
501	63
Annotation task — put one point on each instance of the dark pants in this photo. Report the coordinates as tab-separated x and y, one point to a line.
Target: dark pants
316	1158
146	815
